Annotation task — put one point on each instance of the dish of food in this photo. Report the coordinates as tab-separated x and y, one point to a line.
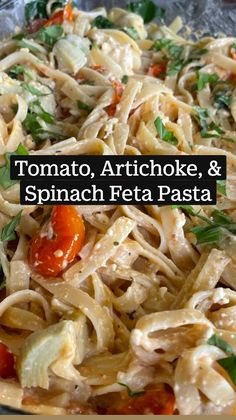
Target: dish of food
117	309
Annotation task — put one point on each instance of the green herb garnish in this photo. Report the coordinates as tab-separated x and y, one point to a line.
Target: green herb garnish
222	99
102	22
5	180
147	9
221	186
214	228
131	393
50	34
164	134
18	69
84	106
215	340
204	78
33	90
125	79
8	232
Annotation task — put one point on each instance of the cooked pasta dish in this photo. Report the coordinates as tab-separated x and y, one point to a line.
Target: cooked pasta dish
117	309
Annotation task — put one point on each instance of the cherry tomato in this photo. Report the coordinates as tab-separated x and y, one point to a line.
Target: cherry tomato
58	243
157	70
59	17
158	400
118	91
7	362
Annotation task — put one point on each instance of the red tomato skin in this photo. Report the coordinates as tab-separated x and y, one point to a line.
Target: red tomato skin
7	363
153	401
49	257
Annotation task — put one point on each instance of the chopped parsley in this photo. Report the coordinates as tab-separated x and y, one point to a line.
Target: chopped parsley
221	186
172	52
147	10
125	79
33	90
205	78
8	232
164	134
17	69
84	106
215	227
5	180
222	99
50	34
102	22
131	393
215	340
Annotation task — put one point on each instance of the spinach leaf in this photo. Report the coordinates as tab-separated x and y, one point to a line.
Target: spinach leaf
204	78
147	9
215	340
222	99
5	180
8	232
229	365
35	10
102	22
18	69
164	134
50	34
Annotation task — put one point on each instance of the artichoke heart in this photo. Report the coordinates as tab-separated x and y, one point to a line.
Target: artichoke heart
54	345
71	53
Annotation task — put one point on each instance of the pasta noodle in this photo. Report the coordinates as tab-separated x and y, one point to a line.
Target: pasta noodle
110	309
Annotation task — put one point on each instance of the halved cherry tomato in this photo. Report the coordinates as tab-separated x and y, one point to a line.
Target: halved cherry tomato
157	70
158	400
59	17
118	91
7	362
58	243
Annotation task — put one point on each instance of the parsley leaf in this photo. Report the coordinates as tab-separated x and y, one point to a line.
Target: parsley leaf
18	37
5	180
213	130
102	22
202	116
50	34
215	340
125	79
36	107
196	54
131	393
204	78
173	53
164	134
213	230
18	69
35	10
33	90
222	99
221	186
229	364
206	235
8	232
147	9
84	106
